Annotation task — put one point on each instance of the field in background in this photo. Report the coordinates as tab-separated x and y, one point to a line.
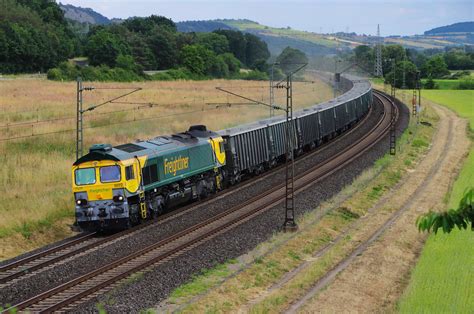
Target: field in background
35	179
443	279
461	101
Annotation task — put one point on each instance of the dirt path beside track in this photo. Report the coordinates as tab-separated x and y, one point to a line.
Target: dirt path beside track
373	280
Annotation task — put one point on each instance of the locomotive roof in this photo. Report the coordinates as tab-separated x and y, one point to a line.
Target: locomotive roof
150	147
359	87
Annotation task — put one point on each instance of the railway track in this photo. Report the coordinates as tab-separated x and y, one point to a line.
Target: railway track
32	264
80	289
42	259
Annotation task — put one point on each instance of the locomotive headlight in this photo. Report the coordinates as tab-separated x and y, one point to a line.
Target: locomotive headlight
118	195
81	202
118	198
81	198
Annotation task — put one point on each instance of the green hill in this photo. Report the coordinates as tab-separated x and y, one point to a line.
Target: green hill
83	15
201	26
277	39
464	27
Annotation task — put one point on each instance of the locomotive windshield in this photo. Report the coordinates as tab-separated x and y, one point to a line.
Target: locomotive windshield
109	174
84	176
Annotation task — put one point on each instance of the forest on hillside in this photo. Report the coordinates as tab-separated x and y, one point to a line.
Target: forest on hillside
35	36
431	64
463	27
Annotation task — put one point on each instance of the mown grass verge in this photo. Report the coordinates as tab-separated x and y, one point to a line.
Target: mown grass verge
443	279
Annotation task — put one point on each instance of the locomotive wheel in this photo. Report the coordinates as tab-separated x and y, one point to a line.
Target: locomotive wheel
204	193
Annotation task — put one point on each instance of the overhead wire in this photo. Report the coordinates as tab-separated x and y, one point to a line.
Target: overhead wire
107	125
142	105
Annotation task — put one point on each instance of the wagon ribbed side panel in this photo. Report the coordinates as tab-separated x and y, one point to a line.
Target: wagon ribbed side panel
250	149
327	124
309	125
340	116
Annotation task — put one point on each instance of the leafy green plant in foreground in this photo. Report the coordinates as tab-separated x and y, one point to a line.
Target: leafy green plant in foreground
460	217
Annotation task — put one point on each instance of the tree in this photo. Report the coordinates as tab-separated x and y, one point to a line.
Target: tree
141	52
212	41
233	64
430	84
163	45
420	59
460	217
126	62
256	52
458	60
104	47
237	43
193	57
410	74
34	36
290	59
435	67
146	25
364	57
217	67
391	52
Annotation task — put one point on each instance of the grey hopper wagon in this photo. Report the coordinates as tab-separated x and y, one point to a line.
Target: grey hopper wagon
252	147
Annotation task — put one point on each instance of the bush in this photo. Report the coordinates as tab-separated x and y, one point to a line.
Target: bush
218	68
459	74
430	84
179	74
173	75
254	75
233	64
466	84
162	76
126	62
69	72
55	74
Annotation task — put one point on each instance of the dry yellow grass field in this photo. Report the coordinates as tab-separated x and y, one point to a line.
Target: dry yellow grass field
35	180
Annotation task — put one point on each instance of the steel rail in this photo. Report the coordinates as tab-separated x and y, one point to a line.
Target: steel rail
54	249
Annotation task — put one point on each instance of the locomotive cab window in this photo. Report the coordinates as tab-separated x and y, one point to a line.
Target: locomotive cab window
129	173
84	176
109	174
221	146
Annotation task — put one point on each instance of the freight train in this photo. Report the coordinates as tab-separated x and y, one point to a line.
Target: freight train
117	187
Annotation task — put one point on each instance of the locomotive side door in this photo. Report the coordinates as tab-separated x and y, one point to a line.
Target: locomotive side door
132	177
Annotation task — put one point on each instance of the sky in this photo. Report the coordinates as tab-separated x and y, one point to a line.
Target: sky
402	17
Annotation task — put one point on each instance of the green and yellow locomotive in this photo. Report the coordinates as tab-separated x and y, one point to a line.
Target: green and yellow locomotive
115	187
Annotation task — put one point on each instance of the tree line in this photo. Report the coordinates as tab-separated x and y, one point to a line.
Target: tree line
154	43
432	64
34	36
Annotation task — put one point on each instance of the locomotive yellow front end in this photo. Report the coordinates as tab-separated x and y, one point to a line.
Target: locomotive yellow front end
101	191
